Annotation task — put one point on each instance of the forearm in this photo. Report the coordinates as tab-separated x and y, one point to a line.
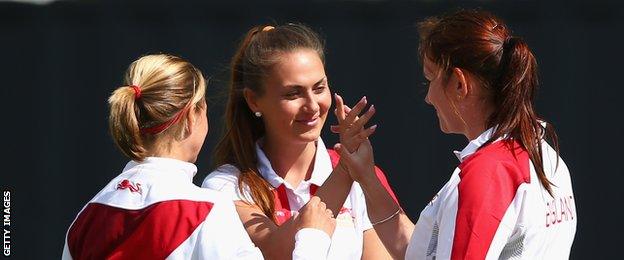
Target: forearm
335	189
395	233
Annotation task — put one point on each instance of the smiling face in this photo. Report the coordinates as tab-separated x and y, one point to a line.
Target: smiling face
438	97
295	98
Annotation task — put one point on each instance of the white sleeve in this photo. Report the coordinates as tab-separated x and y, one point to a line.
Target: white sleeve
223	235
225	180
362	210
311	243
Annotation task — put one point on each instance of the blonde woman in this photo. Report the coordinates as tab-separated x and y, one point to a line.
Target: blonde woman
152	210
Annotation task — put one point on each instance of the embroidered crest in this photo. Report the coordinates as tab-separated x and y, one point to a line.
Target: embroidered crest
133	187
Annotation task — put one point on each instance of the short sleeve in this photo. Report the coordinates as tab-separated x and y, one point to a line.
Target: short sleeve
225	179
311	243
223	236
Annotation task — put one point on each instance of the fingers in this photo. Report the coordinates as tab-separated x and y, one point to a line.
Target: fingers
357	109
315	201
360	122
363	135
340	110
329	213
336	128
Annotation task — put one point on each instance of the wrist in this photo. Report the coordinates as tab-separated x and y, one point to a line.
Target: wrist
368	177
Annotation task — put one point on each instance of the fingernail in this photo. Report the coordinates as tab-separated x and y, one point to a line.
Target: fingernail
373	127
372	108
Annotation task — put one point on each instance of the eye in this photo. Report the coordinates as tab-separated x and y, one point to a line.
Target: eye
320	89
426	83
292	94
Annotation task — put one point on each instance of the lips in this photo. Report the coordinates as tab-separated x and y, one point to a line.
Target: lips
309	121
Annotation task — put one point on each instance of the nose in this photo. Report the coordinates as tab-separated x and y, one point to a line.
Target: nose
311	103
427	100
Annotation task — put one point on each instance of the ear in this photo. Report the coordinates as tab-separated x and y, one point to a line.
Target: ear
191	118
463	86
252	99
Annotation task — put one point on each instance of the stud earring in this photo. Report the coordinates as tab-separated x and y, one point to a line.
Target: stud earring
258	114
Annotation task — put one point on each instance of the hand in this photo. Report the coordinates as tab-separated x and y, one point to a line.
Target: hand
355	149
314	214
351	126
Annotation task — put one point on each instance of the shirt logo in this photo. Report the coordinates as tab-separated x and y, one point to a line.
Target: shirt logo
133	187
559	210
344	218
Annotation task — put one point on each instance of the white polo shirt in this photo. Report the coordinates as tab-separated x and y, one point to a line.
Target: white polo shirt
352	220
494	207
152	210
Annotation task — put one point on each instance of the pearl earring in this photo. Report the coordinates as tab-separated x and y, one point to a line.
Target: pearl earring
258	114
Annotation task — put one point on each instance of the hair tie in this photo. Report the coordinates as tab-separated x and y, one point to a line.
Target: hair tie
137	91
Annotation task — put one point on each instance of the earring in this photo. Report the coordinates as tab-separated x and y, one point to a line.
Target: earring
258	114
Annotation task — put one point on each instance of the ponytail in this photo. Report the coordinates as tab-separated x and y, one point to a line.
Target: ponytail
159	91
124	123
515	114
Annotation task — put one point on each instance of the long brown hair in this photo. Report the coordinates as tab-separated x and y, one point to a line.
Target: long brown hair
156	89
481	43
260	49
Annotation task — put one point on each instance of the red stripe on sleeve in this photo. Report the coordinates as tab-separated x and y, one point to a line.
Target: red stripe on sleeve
489	181
106	232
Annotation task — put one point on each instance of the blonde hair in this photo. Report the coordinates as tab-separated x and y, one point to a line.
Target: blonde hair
167	87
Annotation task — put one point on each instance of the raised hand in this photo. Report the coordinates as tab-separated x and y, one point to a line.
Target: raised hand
355	149
314	214
351	125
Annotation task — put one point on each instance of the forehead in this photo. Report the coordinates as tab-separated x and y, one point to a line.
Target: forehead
298	67
430	66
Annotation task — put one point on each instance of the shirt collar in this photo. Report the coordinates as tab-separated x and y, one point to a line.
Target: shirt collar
322	166
475	144
166	166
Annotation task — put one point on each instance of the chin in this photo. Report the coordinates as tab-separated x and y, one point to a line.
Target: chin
311	136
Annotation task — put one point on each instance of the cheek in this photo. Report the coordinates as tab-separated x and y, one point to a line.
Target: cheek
325	102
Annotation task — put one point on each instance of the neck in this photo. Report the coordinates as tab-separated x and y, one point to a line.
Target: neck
293	162
477	122
171	149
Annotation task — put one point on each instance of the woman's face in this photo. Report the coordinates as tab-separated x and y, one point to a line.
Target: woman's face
296	97
438	95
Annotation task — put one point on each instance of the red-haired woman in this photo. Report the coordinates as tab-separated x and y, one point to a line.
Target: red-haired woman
511	196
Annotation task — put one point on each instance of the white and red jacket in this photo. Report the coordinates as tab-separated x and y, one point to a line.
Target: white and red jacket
152	210
351	221
494	207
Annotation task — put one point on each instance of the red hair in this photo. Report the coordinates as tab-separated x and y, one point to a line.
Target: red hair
480	43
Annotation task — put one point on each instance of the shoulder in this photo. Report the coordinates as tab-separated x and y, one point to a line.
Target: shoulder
222	177
225	179
503	165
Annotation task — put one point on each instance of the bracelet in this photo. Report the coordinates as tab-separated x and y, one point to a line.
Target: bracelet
388	218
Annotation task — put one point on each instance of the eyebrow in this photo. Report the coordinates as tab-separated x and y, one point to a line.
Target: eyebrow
315	84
